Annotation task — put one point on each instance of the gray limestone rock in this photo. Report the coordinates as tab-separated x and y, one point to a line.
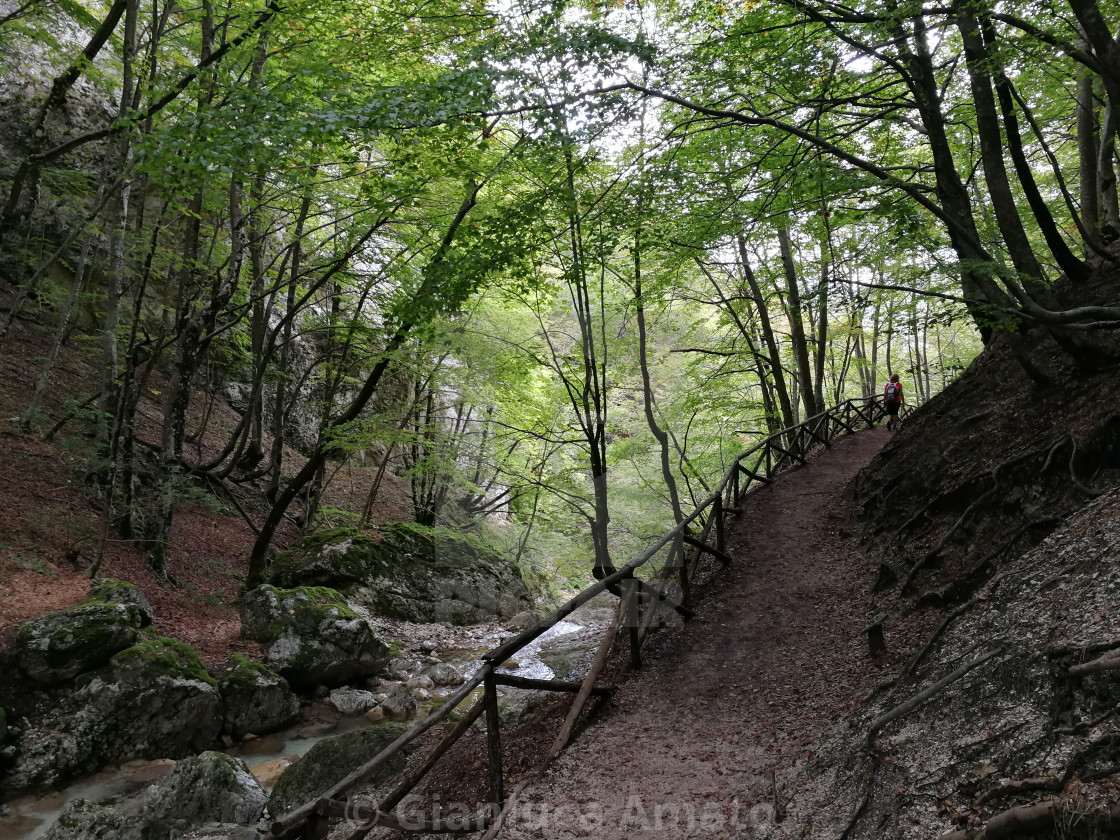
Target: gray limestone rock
256	699
209	788
84	820
352	701
444	673
312	636
399	702
410	572
56	647
156	700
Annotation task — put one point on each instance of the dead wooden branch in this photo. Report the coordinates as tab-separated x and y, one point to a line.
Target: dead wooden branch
949	619
1034	819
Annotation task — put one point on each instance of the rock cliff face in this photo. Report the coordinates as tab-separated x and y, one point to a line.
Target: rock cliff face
410	573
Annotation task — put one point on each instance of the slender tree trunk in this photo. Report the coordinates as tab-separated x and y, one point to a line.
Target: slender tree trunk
797	326
655	429
789	414
117	267
1088	151
258	560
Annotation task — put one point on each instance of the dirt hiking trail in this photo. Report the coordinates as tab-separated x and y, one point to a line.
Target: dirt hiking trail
694	744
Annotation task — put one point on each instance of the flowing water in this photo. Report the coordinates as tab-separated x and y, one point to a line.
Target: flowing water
31	817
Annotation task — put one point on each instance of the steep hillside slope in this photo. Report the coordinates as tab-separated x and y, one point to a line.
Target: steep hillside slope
52	515
991	517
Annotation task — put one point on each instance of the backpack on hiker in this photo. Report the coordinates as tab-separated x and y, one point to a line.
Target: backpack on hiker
893	393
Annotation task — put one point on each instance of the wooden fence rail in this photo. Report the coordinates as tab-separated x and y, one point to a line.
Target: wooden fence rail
699	534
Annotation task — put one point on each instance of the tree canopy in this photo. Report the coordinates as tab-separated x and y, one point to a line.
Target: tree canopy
554	262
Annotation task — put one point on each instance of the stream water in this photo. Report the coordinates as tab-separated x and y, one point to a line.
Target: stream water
30	817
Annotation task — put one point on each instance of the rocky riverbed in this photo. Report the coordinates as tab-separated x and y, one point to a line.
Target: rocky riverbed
334	725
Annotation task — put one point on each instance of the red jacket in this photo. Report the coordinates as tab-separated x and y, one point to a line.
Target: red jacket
897	393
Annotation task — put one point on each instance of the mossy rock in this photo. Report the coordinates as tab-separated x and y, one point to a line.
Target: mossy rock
410	572
255	699
333	759
113	591
268	612
313	636
155	700
85	820
3	726
172	657
56	647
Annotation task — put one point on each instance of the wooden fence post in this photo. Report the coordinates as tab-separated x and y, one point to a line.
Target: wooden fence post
721	540
682	561
630	594
494	739
318	825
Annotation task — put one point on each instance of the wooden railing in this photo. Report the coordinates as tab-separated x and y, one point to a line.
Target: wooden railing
701	533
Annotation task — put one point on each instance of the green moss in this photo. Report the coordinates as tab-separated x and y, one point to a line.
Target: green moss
320	600
108	585
170	655
246	670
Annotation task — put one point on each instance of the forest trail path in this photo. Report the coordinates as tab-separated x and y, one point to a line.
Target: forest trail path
689	744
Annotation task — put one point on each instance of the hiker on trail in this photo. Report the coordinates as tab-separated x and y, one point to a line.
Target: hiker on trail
892	400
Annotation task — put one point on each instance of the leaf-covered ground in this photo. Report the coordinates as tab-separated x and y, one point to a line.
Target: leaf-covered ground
50	519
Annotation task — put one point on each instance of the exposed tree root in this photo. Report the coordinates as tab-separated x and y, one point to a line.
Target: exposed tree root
918	699
1052	783
1028	820
929	555
949	619
1073	475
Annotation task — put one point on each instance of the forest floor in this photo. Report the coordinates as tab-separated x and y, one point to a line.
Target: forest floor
694	744
51	519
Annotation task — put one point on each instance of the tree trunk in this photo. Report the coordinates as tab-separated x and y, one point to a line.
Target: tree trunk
789	415
1087	152
797	326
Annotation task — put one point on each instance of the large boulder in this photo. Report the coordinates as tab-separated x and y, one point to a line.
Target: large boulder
209	788
410	572
312	635
56	647
255	699
112	591
155	700
332	760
